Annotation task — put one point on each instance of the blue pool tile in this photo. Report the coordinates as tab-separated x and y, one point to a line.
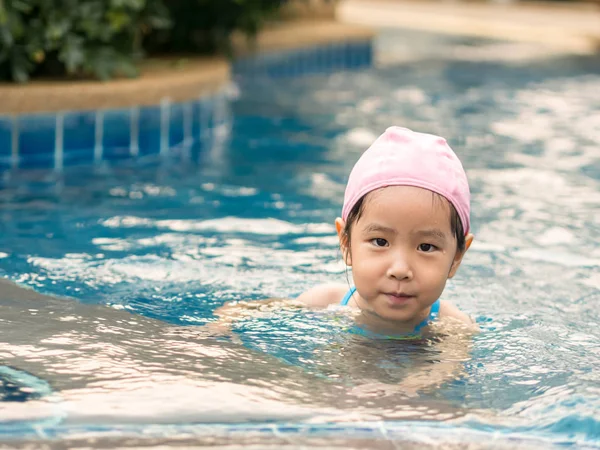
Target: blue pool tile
196	119
321	59
5	162
202	118
298	69
335	56
310	61
246	65
176	124
365	51
79	137
79	157
37	135
310	58
116	134
346	51
36	161
274	69
351	59
277	67
6	127
150	130
315	60
208	105
289	64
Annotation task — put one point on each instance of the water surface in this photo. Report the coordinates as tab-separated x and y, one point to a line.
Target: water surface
251	217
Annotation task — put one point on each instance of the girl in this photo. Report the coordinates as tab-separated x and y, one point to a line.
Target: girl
404	231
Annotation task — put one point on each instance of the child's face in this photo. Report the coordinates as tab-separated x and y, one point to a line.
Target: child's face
402	251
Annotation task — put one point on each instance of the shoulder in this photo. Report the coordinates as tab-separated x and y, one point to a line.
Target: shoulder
448	310
323	295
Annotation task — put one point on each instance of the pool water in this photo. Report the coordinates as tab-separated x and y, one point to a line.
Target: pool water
251	217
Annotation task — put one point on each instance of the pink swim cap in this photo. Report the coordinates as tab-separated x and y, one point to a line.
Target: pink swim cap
401	157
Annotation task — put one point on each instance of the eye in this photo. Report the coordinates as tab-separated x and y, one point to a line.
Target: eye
379	242
427	248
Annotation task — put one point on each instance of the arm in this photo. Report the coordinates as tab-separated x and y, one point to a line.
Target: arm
453	351
233	311
323	295
317	297
448	310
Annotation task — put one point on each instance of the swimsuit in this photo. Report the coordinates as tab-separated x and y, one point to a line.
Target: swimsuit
433	314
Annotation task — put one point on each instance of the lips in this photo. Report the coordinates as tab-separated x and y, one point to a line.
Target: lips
399	298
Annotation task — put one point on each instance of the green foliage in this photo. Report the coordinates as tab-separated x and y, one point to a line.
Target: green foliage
207	25
99	38
105	38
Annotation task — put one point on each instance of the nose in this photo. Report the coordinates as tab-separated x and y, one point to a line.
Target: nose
399	268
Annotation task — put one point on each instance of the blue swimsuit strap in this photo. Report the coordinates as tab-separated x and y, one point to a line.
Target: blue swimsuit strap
433	313
348	296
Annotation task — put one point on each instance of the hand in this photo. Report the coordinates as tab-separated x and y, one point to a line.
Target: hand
218	328
222	328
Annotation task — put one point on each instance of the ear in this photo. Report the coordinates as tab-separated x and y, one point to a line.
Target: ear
459	255
340	225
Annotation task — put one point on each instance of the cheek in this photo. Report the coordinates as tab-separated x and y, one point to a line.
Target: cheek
360	258
436	275
367	265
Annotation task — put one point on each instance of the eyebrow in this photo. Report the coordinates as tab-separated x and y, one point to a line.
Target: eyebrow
376	228
432	232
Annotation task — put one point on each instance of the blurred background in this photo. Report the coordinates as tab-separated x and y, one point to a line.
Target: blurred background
104	39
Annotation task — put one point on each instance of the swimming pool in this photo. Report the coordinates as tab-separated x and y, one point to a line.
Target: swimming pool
252	217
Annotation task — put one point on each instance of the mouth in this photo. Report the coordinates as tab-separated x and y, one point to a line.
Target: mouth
398	299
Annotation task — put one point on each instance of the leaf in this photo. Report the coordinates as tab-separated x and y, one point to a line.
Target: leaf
3	14
19	74
20	67
101	62
135	5
159	22
118	19
127	68
6	38
15	25
22	6
57	28
72	54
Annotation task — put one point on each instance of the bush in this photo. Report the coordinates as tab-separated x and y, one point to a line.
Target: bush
76	37
206	25
105	38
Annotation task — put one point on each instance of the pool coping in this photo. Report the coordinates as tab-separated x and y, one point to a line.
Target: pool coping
298	34
175	80
572	28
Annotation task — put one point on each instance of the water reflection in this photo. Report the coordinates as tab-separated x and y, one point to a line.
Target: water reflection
107	366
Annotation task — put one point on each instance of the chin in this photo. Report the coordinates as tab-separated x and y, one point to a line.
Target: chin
400	319
394	315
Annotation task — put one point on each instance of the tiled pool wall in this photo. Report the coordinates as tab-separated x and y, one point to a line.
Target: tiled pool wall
69	138
322	59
